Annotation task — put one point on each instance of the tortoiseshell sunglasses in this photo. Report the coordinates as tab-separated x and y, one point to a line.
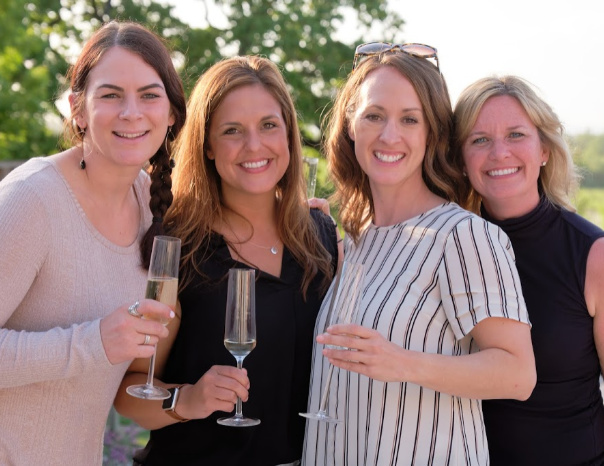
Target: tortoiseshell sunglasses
375	48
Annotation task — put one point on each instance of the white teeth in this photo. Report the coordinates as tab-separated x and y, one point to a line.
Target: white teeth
388	158
259	164
503	171
130	135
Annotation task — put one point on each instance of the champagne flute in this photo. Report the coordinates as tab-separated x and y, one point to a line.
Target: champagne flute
343	309
162	285
240	330
311	164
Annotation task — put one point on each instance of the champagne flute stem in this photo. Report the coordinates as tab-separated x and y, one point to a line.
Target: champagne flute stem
239	408
151	372
323	405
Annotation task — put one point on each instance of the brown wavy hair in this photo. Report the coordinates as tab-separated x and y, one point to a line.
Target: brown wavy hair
198	203
558	179
153	50
353	194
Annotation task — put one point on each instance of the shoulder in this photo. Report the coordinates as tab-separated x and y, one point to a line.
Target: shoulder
456	221
326	229
581	225
34	181
321	220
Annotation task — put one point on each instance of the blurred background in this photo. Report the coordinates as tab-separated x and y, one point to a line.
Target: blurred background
555	44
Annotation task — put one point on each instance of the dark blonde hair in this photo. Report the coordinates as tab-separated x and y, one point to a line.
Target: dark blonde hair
152	49
353	194
559	178
198	203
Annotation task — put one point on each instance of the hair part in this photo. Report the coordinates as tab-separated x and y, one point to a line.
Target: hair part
559	178
198	205
153	50
353	194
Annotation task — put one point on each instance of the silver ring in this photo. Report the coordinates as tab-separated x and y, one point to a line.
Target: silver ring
147	339
133	310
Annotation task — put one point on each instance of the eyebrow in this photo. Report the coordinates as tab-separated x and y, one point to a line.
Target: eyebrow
509	128
271	116
406	109
140	89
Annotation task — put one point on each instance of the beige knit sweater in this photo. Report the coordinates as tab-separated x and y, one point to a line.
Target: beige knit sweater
58	277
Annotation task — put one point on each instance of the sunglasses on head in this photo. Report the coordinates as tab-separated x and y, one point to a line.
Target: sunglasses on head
375	48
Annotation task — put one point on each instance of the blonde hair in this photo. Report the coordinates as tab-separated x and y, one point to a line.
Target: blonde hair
558	179
197	202
353	194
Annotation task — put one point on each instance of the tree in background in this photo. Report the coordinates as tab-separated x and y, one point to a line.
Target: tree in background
39	38
29	68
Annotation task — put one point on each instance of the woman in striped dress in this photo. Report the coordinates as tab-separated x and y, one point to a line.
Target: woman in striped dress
442	322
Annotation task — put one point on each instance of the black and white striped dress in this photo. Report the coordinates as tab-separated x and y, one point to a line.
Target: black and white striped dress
429	281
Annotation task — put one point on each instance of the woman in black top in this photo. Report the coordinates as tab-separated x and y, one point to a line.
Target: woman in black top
239	202
520	176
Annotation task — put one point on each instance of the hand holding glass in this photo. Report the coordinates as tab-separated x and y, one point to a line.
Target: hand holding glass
240	330
162	285
343	309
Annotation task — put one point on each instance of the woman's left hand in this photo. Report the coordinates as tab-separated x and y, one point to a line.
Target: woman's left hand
369	352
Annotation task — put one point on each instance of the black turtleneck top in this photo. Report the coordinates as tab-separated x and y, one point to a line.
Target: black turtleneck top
562	423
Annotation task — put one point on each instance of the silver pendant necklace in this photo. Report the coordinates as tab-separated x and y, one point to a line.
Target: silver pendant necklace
273	249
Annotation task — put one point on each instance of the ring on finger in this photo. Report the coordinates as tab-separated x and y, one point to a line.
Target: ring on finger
133	310
147	339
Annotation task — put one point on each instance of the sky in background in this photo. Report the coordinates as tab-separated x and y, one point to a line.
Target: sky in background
558	45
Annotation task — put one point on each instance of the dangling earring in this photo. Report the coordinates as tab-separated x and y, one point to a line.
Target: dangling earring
82	164
172	164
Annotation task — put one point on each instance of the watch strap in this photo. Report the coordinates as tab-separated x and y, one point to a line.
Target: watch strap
169	404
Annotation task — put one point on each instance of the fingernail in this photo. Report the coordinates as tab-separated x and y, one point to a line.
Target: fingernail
172	315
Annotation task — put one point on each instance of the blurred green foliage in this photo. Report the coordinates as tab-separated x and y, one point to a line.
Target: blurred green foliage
39	38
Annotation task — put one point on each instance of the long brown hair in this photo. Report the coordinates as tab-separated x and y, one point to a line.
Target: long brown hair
353	194
197	196
151	48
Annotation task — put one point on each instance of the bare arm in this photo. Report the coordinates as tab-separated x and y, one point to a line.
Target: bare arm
594	294
504	368
216	390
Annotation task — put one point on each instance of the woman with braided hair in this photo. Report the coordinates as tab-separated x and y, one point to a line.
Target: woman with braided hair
72	229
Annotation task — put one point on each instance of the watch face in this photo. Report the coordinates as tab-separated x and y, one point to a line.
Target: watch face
168	403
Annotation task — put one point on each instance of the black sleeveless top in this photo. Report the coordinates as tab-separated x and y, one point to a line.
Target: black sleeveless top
562	423
278	368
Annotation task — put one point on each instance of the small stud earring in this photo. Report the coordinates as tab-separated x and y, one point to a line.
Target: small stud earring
543	163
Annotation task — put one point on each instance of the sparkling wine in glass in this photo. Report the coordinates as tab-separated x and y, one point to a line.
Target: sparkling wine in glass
343	309
240	330
162	285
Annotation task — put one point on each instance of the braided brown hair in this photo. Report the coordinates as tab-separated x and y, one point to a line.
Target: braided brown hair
151	48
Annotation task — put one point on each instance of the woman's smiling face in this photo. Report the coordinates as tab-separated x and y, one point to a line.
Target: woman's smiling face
389	130
503	155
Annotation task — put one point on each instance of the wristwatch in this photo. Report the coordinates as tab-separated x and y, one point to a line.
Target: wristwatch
169	404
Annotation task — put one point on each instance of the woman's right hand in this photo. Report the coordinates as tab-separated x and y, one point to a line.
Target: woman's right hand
216	390
123	335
